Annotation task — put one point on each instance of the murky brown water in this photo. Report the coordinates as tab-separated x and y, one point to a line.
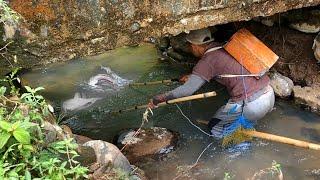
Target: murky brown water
140	64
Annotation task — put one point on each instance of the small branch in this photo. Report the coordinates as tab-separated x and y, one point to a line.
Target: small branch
5	46
69	159
3	55
15	107
9	100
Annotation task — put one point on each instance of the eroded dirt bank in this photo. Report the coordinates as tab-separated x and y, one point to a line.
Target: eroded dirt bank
295	51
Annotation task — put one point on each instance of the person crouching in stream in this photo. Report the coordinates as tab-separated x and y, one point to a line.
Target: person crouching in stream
250	95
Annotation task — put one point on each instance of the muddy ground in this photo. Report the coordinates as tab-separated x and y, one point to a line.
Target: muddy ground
294	49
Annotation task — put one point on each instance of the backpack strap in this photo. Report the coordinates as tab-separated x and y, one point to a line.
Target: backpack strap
242	75
235	75
213	49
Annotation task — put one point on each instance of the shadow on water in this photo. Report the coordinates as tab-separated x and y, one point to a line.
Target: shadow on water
140	64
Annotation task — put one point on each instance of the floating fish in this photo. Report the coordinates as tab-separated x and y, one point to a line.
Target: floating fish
78	103
108	80
97	86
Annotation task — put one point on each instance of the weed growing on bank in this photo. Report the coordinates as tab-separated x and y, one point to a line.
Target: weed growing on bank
7	14
24	152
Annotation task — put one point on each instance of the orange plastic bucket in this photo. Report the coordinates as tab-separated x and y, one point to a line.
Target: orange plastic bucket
249	51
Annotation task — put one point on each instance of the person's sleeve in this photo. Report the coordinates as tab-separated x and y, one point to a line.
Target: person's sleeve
204	69
192	85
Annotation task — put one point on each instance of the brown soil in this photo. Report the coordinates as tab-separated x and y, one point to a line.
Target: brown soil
294	49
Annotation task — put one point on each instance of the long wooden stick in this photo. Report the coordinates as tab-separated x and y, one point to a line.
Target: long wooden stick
178	100
154	82
276	138
281	139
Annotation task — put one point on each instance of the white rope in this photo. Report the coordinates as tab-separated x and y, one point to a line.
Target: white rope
202	153
204	150
210	135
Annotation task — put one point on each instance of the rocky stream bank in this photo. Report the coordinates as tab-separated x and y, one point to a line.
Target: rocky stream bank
57	31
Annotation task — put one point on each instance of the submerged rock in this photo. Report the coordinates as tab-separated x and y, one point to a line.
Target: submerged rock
281	85
147	143
308	96
311	133
108	154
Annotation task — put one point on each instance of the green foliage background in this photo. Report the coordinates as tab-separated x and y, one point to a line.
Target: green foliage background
24	153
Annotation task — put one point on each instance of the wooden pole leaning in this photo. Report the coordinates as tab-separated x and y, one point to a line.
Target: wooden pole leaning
275	138
281	139
167	81
178	100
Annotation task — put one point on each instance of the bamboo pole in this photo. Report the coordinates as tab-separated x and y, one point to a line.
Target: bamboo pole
154	82
276	138
178	100
281	139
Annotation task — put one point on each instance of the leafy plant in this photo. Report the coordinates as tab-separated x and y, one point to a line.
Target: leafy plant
7	14
269	173
23	152
275	167
228	176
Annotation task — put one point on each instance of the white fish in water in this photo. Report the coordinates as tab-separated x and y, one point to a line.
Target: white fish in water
98	83
101	80
78	103
108	80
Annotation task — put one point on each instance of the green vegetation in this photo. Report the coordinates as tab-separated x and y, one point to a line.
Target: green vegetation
275	168
228	176
7	14
24	153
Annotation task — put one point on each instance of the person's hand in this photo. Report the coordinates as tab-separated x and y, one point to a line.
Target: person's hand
151	105
156	100
184	78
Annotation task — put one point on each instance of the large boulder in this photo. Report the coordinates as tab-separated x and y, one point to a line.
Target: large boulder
81	139
62	30
86	156
281	85
308	96
108	154
146	143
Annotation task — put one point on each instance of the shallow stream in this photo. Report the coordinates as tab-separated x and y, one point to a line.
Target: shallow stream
141	64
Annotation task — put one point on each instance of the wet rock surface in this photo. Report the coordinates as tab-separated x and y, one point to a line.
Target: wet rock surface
281	85
81	139
305	20
308	96
148	143
86	155
108	154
